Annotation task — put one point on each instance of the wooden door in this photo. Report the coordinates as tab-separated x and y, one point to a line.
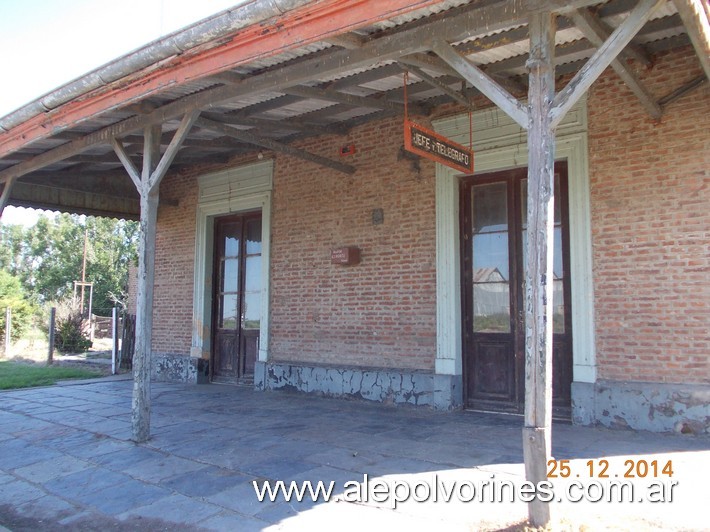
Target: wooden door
237	297
494	225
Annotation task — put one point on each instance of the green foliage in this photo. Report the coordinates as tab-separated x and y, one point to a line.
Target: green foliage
12	295
69	334
48	256
18	375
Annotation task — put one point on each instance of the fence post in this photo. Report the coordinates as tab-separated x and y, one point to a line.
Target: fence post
52	320
8	330
114	339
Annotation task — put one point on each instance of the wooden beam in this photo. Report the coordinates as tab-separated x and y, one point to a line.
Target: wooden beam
5	197
431	80
361	78
484	83
539	260
430	62
157	174
349	41
601	59
634	52
596	34
274	145
344	98
682	91
228	78
277	125
695	19
458	24
127	162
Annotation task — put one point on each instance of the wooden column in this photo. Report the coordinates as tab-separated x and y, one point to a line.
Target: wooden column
539	258
148	185
140	408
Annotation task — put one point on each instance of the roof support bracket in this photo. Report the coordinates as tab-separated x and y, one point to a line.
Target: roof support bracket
602	58
595	33
353	100
431	80
148	184
274	145
483	82
696	19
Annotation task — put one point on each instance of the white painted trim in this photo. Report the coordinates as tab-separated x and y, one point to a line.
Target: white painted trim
229	191
448	274
499	143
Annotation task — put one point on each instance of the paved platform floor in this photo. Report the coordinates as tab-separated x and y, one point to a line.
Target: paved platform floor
67	463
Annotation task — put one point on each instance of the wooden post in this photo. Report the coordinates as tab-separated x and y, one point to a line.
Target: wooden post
539	257
147	183
114	339
50	350
8	330
144	295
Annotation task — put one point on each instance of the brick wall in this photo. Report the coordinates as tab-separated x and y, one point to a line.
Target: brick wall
650	186
651	243
381	312
175	266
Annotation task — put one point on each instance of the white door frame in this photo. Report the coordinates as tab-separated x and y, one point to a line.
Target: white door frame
499	144
230	191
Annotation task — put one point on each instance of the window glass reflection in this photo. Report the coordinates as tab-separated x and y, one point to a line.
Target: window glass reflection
230	275
252	310
252	282
491	261
230	312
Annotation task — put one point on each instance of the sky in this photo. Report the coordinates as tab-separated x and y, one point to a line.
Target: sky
47	43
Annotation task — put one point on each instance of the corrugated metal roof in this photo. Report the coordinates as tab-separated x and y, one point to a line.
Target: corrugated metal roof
503	51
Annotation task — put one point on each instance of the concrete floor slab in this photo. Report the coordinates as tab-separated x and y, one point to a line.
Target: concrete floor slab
73	465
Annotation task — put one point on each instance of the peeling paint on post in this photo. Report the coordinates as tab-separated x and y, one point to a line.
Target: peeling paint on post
148	185
539	260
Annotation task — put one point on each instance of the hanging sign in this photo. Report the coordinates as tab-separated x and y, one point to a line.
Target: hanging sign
431	145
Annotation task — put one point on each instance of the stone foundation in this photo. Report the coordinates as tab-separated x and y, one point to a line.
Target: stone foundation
174	368
652	406
442	392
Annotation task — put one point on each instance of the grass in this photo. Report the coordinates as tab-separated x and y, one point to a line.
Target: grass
17	375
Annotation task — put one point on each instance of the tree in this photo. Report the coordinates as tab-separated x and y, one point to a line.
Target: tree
12	295
48	257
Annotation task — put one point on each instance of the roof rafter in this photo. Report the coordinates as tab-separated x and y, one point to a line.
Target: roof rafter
457	24
277	125
594	31
344	98
274	145
431	80
605	54
695	19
